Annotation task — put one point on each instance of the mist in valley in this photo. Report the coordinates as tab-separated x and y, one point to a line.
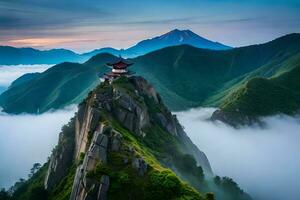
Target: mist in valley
26	139
265	162
9	73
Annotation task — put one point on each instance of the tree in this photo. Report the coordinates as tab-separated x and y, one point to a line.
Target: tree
4	195
38	193
210	196
17	185
217	180
34	169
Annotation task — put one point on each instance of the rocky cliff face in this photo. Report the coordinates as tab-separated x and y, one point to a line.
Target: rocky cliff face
122	144
134	105
62	156
234	119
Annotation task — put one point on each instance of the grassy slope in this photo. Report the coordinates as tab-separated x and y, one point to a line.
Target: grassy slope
61	85
271	69
196	75
184	76
263	97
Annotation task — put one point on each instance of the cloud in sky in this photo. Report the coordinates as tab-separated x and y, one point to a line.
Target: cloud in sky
264	162
27	139
122	23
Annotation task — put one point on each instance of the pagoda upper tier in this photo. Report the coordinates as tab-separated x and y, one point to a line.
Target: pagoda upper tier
119	64
119	68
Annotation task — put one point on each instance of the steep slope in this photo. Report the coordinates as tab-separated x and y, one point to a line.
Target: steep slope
2	89
123	143
262	97
185	76
13	56
62	85
23	79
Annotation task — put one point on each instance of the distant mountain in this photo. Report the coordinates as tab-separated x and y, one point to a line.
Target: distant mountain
172	38
185	76
13	56
109	50
2	89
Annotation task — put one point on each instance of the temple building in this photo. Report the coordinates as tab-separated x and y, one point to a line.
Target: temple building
119	68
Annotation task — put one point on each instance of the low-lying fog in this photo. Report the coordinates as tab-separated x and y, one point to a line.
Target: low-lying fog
9	73
26	139
264	162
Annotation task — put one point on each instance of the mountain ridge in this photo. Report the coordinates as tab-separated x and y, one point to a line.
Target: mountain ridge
27	55
261	97
185	76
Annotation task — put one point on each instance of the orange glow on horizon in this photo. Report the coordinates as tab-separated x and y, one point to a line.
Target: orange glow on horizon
38	42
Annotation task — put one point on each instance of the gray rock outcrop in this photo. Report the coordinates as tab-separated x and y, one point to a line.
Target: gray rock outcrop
84	187
116	141
61	158
132	115
140	166
86	121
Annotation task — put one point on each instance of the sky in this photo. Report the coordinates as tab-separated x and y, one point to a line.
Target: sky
86	25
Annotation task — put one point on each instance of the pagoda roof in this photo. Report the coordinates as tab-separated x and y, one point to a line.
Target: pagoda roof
119	63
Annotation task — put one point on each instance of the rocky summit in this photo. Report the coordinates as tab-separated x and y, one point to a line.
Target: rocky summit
123	143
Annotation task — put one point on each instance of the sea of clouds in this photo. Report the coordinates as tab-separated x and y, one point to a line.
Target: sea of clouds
263	161
26	139
9	73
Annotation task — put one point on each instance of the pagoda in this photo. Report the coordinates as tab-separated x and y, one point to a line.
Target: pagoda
119	68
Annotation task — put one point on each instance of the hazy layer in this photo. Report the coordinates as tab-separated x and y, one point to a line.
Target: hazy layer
8	73
265	162
26	139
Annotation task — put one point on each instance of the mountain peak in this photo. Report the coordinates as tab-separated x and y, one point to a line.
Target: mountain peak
173	38
180	33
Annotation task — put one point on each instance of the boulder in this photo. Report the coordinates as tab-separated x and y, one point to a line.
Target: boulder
140	166
103	188
116	141
144	87
98	148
